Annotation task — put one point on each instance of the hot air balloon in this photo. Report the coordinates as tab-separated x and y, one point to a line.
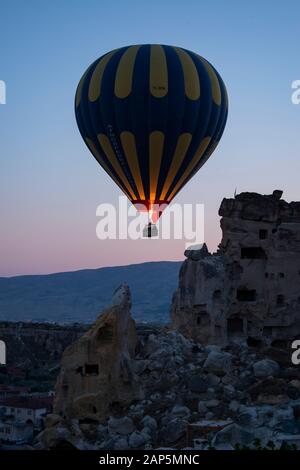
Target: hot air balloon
151	115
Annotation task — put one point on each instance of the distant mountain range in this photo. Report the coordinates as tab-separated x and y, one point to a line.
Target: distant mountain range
79	296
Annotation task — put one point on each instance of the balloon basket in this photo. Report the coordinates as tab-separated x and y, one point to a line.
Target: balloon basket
150	231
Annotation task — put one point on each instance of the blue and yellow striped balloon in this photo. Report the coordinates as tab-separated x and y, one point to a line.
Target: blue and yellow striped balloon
151	115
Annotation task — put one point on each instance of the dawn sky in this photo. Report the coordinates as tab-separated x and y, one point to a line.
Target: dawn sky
50	185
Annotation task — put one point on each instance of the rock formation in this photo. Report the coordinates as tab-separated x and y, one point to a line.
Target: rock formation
193	396
170	388
249	289
96	370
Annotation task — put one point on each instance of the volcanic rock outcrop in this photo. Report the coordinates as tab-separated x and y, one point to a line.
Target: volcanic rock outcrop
193	396
96	370
250	289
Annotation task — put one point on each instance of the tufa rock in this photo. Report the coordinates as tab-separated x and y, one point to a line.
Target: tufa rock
122	425
243	294
197	252
181	411
52	420
266	368
96	370
137	439
234	435
174	430
219	363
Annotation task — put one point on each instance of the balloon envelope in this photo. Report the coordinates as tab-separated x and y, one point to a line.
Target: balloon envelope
151	115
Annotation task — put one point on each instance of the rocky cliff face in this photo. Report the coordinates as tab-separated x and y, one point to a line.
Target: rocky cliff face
195	301
96	370
249	289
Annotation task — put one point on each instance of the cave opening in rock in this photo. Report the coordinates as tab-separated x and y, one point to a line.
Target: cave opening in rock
202	319
105	334
253	252
217	294
91	369
235	325
267	331
263	234
253	342
246	295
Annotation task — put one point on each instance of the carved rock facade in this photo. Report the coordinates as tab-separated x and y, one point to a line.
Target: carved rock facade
250	289
96	370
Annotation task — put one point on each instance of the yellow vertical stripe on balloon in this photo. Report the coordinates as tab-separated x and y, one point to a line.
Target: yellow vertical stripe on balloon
124	75
80	87
158	72
190	73
129	147
156	146
109	152
96	79
215	86
97	155
199	153
212	149
182	146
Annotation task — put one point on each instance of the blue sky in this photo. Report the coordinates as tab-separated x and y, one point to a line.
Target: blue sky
50	185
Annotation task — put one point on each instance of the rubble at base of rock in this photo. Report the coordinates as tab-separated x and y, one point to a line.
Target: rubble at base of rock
240	394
